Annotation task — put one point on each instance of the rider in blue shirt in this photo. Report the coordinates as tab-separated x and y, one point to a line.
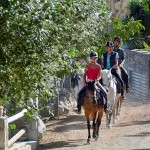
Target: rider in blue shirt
108	66
110	61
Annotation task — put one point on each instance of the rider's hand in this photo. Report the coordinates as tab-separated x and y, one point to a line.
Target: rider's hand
96	80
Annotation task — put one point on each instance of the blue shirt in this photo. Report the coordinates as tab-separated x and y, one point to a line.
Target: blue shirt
108	60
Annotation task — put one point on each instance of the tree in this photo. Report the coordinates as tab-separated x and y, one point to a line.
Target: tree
37	40
140	10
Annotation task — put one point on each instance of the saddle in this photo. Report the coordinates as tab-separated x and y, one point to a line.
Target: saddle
100	97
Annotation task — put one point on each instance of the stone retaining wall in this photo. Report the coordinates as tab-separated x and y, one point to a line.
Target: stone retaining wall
138	66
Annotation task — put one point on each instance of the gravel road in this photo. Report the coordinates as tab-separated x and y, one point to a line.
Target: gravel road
131	131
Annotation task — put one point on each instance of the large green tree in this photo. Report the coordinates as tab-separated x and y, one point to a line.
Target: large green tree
39	37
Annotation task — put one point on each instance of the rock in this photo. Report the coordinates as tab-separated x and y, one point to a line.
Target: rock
41	128
61	110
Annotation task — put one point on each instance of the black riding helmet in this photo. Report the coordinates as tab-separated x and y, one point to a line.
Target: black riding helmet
95	54
109	44
117	39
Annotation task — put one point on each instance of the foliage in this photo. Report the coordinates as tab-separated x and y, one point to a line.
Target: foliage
126	30
146	47
12	126
136	41
38	38
140	10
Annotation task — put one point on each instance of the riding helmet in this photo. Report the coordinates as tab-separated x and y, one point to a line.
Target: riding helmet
109	44
95	54
117	39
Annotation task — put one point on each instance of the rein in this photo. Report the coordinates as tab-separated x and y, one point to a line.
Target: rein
90	97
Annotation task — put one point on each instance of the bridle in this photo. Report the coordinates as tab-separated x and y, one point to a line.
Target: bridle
90	97
107	86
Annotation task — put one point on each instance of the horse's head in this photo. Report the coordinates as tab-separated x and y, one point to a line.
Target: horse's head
74	79
90	95
91	85
106	76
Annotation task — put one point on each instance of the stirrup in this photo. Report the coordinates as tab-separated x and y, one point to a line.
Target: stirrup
123	98
128	90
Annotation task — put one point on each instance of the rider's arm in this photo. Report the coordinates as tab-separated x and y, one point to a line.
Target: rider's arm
116	63
122	62
84	76
122	58
102	61
99	74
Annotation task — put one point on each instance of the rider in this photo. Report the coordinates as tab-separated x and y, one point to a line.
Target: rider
121	61
92	71
110	61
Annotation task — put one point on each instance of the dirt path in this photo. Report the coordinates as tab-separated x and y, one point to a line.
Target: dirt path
131	132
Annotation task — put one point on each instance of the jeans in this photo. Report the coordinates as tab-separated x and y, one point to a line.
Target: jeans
102	90
125	76
114	72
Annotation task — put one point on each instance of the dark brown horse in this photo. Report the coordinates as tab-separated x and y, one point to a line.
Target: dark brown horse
92	110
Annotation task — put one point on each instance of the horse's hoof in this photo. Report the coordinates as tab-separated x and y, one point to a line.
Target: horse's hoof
94	136
109	127
97	138
88	141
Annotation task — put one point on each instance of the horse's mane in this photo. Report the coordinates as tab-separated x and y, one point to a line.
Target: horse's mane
90	85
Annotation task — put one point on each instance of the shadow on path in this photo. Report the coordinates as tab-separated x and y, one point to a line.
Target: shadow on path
68	119
142	149
60	144
139	135
134	123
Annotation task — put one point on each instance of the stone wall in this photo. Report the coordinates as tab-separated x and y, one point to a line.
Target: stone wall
118	7
138	66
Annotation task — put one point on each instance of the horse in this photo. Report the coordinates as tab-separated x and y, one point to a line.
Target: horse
92	110
114	99
76	82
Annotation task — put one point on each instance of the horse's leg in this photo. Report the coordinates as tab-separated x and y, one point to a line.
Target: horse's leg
94	124
114	115
109	120
89	134
100	115
117	109
120	104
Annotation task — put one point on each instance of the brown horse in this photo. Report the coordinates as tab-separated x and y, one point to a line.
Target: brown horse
92	110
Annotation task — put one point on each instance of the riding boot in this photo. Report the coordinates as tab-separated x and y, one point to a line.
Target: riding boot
127	88
80	99
79	103
79	109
